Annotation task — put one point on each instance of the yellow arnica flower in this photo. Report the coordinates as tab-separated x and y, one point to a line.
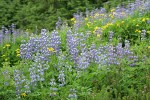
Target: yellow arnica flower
122	13
144	19
96	28
112	10
148	32
7	45
88	24
18	55
122	22
98	35
17	51
51	49
72	19
96	15
86	18
23	94
101	14
137	31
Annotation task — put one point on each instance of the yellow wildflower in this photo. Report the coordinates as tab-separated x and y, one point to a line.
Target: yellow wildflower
17	51
148	32
143	20
23	94
118	25
122	13
51	49
112	16
98	35
96	15
148	47
101	14
7	45
86	18
137	25
137	31
104	27
110	24
18	55
96	28
73	20
112	10
88	24
122	22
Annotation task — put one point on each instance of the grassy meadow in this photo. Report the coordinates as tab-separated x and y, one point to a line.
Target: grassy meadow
103	55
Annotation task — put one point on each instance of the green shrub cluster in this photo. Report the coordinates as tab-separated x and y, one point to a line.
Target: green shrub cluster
31	14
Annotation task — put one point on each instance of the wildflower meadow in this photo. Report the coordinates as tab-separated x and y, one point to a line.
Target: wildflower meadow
103	55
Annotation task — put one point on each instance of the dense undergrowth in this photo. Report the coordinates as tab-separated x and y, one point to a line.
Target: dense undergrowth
103	56
34	15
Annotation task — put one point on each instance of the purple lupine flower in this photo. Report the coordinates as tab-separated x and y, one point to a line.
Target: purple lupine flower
79	20
130	57
111	34
58	23
112	56
61	78
102	55
6	77
143	35
1	37
83	61
72	44
53	88
127	46
148	21
40	45
33	78
18	82
93	53
87	13
3	29
119	51
27	87
72	94
13	27
55	41
37	70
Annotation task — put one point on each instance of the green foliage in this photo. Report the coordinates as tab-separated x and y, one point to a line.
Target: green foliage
10	51
29	14
114	82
